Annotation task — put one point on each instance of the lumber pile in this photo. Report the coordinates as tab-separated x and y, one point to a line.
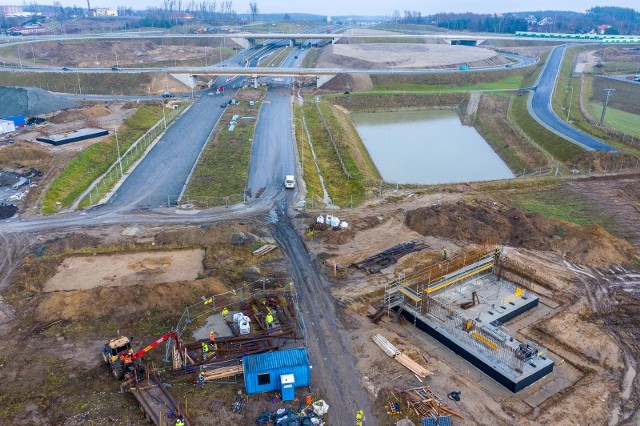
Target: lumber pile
426	404
375	263
221	373
267	248
403	359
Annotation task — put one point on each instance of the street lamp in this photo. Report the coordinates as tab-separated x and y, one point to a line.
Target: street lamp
119	158
570	100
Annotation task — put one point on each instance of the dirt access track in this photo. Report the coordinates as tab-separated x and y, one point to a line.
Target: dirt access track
124	270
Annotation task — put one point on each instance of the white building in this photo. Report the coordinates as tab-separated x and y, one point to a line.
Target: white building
7	126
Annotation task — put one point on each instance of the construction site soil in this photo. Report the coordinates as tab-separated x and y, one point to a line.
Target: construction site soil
405	55
586	278
104	54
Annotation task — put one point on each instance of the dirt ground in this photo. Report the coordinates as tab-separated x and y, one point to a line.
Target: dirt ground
125	270
580	275
125	53
401	55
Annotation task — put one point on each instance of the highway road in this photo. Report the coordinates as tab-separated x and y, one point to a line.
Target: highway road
539	105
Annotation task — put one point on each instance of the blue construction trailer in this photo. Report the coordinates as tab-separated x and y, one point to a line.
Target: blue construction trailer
277	371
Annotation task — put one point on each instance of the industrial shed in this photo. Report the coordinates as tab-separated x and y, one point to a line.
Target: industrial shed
277	371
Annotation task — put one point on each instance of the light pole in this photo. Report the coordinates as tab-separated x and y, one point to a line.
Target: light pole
115	50
119	158
570	100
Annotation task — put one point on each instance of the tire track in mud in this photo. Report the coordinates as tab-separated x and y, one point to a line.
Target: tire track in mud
333	364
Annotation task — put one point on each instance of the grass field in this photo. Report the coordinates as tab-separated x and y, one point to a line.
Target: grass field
620	120
625	98
558	203
223	168
310	173
96	159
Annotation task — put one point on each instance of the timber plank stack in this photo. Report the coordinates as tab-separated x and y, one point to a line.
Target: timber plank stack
425	403
402	358
222	373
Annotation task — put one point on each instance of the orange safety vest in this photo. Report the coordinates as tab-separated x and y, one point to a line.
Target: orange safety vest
212	337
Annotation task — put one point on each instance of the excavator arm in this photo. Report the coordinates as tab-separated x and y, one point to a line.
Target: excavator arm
170	335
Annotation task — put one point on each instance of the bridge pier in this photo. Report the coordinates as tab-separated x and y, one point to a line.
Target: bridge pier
292	42
188	80
321	80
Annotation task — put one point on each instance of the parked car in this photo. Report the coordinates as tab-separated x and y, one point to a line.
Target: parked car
115	68
223	105
168	95
66	69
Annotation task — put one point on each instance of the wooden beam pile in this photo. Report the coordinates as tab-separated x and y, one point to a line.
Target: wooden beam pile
264	250
224	372
403	359
426	404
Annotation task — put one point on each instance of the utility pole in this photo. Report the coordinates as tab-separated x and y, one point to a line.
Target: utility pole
605	103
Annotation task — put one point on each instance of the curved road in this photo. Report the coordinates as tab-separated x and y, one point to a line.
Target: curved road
539	106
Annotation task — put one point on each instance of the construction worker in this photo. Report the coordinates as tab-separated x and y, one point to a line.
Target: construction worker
205	350
201	380
444	254
212	338
179	421
269	319
359	418
496	253
225	312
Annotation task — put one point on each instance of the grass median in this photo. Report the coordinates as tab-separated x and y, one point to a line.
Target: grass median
96	159
222	171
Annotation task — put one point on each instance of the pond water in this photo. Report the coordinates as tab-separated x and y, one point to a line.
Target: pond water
427	147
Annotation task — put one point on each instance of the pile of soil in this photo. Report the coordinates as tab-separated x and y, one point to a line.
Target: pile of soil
29	101
485	220
7	210
349	82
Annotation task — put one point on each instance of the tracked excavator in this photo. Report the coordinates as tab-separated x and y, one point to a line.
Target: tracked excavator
117	353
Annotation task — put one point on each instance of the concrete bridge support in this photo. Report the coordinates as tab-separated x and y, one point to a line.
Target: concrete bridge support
188	80
321	80
246	43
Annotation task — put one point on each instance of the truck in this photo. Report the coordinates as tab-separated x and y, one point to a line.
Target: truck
289	181
157	404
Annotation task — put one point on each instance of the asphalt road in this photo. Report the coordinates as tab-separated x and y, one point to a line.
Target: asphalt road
540	106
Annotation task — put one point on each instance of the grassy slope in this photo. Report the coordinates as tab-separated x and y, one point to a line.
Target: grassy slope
112	83
511	82
311	58
553	144
96	159
340	187
310	173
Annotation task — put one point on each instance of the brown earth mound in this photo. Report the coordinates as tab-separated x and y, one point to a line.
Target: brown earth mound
482	222
485	220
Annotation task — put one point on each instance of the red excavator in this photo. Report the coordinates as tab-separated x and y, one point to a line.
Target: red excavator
119	355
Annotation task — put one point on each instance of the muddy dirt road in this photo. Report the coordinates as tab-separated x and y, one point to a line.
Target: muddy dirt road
330	355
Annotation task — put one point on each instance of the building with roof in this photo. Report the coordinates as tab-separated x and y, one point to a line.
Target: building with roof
277	371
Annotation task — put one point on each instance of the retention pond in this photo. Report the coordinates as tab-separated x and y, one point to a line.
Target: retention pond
427	147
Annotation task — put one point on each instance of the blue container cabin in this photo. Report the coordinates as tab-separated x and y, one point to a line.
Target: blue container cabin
277	371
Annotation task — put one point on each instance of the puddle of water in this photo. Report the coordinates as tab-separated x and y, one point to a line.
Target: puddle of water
427	147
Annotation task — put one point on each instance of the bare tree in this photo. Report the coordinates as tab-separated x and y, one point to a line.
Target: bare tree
253	9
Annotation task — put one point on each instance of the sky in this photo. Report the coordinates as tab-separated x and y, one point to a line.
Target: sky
368	7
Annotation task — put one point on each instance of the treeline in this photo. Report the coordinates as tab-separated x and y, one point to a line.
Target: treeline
608	19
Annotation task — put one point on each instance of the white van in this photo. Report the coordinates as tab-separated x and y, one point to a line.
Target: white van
289	181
